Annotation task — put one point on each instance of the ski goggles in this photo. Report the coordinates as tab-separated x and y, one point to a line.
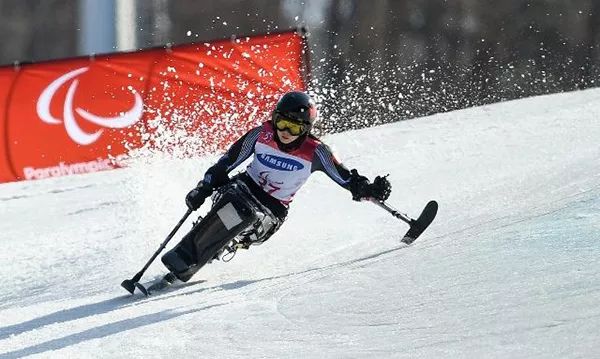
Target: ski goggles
295	128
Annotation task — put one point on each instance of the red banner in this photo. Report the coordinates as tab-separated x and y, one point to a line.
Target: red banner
72	116
7	77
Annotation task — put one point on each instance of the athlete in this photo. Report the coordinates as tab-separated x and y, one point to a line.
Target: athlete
251	206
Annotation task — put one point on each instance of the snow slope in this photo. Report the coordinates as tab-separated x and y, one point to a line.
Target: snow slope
508	269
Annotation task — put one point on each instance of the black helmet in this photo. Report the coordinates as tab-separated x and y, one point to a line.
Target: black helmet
296	106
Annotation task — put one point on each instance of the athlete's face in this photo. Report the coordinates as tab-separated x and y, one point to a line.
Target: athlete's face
285	137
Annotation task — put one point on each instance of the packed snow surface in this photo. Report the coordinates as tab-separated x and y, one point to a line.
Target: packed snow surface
509	269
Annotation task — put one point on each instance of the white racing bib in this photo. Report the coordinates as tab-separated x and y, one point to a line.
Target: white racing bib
279	174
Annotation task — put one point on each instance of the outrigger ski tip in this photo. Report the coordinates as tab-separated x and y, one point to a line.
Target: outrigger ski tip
418	226
129	285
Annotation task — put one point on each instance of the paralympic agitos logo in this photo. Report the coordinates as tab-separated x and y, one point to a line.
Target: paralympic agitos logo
75	132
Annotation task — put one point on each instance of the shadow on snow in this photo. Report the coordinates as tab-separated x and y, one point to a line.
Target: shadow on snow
106	306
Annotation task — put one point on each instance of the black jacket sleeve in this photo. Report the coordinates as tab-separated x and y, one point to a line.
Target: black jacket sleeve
325	161
240	150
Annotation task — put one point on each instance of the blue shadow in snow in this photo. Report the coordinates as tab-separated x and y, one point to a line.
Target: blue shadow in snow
67	315
102	331
109	305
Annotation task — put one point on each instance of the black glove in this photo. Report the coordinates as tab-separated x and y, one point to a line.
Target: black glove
196	197
361	188
381	188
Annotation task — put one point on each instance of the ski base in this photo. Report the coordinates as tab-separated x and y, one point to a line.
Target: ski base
142	289
165	282
152	289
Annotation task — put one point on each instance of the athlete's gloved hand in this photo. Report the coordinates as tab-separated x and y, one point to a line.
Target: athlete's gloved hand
196	197
361	188
381	188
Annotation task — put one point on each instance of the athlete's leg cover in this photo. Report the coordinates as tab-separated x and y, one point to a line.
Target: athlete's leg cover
230	215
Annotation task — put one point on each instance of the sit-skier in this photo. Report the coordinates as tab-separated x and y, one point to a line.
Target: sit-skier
251	206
